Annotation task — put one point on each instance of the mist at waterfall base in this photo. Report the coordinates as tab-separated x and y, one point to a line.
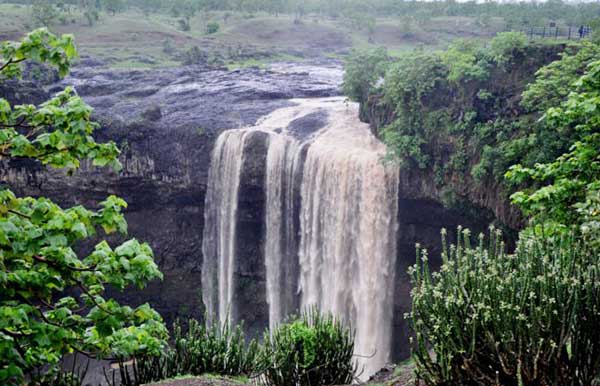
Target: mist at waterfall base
330	223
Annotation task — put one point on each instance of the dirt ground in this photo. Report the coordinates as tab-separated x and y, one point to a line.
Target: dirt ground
201	381
393	375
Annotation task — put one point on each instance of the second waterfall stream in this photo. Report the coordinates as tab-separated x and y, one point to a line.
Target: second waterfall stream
330	222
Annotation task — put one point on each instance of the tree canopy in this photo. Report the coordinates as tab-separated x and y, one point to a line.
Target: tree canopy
516	15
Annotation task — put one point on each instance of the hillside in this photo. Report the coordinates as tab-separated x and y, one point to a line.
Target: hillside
133	39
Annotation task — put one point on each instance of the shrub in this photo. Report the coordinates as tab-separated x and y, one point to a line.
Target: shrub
554	81
569	181
168	47
506	45
312	350
194	55
491	318
410	83
44	14
199	350
464	61
363	69
212	27
184	24
92	16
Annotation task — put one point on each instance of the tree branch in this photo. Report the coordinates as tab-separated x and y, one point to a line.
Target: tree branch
42	259
14	334
19	214
18	124
87	292
11	61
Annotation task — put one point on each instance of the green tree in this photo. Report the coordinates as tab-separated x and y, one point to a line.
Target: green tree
186	8
212	27
363	69
568	188
149	6
90	11
44	13
52	301
506	45
555	81
113	6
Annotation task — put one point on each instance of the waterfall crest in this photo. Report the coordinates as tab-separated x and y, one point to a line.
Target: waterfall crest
331	221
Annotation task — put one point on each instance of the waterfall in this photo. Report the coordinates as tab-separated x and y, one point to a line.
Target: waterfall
220	219
283	161
330	215
348	235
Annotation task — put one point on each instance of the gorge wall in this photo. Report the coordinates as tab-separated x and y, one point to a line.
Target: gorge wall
168	122
451	117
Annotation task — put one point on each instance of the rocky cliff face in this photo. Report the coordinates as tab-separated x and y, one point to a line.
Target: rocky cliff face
166	122
487	200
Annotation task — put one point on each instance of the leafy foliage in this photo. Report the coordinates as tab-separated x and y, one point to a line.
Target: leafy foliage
464	61
363	69
408	81
212	27
506	46
458	113
491	318
436	95
312	350
40	46
554	82
52	300
571	182
529	317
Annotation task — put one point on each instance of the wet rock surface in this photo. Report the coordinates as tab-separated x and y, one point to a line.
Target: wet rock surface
166	122
303	127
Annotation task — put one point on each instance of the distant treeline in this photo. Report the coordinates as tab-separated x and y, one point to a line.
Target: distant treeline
522	13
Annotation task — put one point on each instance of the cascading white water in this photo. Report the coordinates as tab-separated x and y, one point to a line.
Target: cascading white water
348	233
330	216
218	243
283	159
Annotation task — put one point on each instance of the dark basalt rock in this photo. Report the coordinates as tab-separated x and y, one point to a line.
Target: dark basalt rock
252	307
153	113
166	122
304	126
